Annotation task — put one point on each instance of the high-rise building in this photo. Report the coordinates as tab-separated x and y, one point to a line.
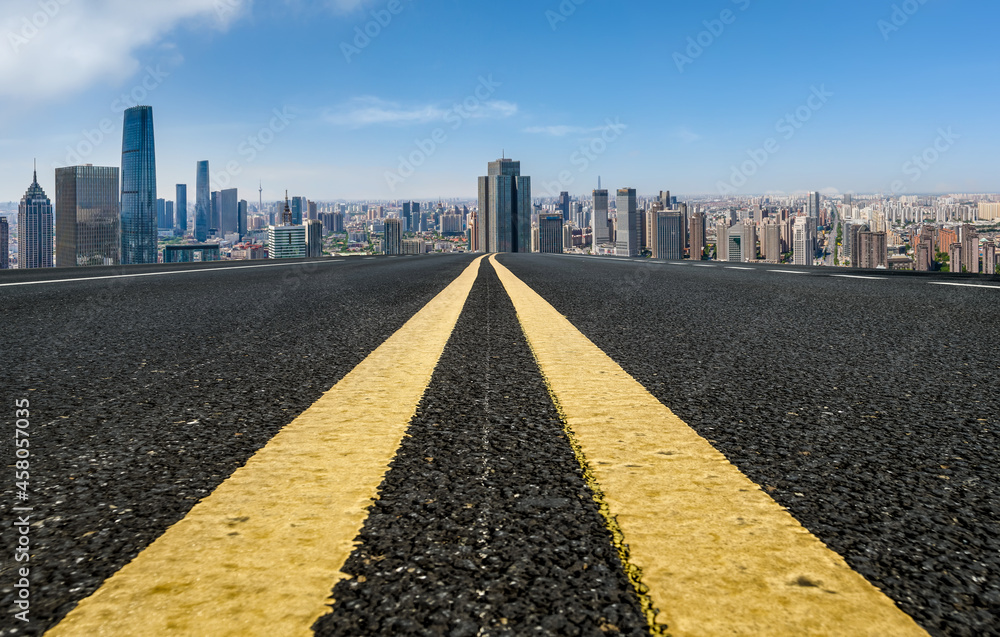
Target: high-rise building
314	237
181	213
34	228
87	216
970	248
873	250
229	212
737	242
669	231
161	215
721	240
393	243
504	219
749	240
563	205
215	225
298	205
771	243
550	233
170	215
629	231
313	214
4	243
802	242
600	222
814	206
989	257
138	180
697	233
407	217
956	259
242	210
203	203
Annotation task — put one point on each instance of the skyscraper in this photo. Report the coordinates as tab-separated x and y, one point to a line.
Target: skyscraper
138	206
393	243
697	236
4	244
970	248
87	216
802	242
629	230
298	204
669	230
564	205
181	213
34	228
407	218
161	215
215	218
550	233
229	210
814	206
504	221
873	250
600	222
241	217
314	237
202	202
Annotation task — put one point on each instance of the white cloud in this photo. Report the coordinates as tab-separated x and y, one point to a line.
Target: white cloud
687	135
51	48
561	130
367	111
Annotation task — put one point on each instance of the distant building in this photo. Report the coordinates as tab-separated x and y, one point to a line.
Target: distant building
215	226
749	241
721	240
563	205
669	230
229	209
736	243
600	221
697	232
138	181
286	242
814	206
970	249
202	203
989	257
452	225
300	206
873	249
803	250
161	216
34	228
955	262
414	246
314	238
242	211
504	219
393	244
772	243
181	208
628	224
550	233
4	244
87	216
191	253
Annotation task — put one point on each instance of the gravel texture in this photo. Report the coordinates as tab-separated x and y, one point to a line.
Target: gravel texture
484	525
148	392
867	408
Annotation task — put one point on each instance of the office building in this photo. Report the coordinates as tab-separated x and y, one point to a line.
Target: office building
802	242
600	222
181	211
34	228
629	229
192	252
407	216
563	205
229	212
138	181
215	223
4	243
161	215
697	234
314	237
313	214
771	244
286	242
87	216
736	241
669	233
393	243
414	246
873	250
814	205
550	233
242	210
203	203
299	205
504	220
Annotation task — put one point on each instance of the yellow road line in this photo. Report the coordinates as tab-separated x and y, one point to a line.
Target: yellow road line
260	555
717	554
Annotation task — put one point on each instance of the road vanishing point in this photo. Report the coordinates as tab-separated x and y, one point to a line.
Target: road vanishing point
468	445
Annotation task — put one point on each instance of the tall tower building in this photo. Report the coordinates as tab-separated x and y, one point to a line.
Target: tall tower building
504	220
34	228
802	242
601	222
629	230
202	202
814	207
138	203
242	210
181	212
161	216
4	244
564	205
393	243
87	216
550	233
697	236
215	218
669	230
229	212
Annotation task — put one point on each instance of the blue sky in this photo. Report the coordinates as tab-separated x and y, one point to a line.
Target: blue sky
285	92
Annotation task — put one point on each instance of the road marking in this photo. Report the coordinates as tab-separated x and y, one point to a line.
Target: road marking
718	555
788	271
966	285
855	276
733	267
706	266
669	263
125	276
260	555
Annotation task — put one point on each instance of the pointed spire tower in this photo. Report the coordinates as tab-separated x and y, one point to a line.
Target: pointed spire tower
286	216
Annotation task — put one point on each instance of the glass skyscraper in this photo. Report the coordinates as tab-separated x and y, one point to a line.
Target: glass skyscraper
203	203
138	218
504	220
181	210
34	228
87	216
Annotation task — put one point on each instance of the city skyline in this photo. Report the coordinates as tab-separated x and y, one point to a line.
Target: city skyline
714	104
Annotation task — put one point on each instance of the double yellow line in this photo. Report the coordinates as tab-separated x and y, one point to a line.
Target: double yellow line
702	543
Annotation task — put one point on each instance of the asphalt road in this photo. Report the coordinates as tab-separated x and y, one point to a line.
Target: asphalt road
889	455
147	392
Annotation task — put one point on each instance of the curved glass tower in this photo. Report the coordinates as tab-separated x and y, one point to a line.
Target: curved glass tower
202	203
138	225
